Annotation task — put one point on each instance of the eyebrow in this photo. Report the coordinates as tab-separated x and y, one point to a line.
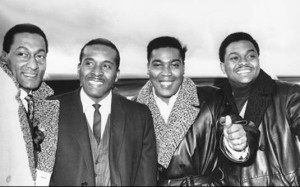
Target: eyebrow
173	60
250	50
22	47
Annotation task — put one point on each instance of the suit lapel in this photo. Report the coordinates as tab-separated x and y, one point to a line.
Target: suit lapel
79	128
116	137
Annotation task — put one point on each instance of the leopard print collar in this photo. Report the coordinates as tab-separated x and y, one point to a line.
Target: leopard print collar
183	115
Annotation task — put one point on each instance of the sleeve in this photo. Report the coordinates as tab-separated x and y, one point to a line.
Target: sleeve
293	108
252	134
147	171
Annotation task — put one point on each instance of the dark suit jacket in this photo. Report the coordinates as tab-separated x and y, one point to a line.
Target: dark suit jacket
132	149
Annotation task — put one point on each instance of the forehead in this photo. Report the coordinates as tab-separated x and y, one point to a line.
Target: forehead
28	40
93	51
240	46
165	53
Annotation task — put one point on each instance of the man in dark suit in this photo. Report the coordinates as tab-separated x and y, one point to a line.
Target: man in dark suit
104	139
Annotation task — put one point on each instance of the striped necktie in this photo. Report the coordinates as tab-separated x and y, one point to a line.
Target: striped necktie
30	104
97	123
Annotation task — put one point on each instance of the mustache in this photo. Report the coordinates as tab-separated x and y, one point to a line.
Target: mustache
95	77
244	66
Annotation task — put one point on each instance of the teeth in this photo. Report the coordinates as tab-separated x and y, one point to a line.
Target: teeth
29	75
243	71
96	82
166	83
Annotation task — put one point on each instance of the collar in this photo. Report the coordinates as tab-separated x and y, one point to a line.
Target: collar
165	108
171	100
88	102
182	116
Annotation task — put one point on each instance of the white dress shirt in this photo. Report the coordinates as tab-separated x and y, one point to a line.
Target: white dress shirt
165	108
88	109
23	94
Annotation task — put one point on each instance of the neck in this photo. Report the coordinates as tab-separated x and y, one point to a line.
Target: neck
241	90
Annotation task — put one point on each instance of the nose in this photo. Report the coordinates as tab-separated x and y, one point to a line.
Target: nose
97	70
32	63
243	61
166	70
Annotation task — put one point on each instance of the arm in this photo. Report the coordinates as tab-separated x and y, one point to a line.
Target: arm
147	171
239	141
234	141
293	109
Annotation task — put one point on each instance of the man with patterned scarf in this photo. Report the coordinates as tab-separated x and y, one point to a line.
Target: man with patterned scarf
274	107
187	121
28	122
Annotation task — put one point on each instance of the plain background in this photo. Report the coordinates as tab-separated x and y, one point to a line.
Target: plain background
199	24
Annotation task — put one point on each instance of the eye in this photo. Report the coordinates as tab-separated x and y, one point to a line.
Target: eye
175	64
107	66
40	56
88	63
22	54
251	56
156	64
234	58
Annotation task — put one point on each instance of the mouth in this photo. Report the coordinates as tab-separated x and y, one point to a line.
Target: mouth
243	71
30	75
166	83
95	81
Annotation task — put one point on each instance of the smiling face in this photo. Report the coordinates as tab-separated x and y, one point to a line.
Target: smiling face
241	62
166	70
98	71
27	60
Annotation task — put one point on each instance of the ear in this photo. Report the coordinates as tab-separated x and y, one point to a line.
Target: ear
78	69
222	66
117	76
4	56
148	64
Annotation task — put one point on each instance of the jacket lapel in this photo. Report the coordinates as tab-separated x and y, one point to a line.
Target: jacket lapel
116	137
182	117
79	130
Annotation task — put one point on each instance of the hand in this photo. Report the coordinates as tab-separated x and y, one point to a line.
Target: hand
234	134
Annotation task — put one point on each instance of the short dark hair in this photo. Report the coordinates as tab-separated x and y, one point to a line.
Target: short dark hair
235	37
22	28
101	41
166	41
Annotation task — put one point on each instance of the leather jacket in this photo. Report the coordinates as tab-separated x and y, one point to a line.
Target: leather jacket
277	161
198	149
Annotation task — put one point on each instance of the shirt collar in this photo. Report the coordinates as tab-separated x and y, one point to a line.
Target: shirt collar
88	102
171	100
24	94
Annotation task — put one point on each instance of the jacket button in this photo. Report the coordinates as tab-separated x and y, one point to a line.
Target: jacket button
262	147
8	179
160	168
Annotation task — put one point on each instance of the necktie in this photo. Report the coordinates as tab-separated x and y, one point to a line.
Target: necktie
30	114
37	135
97	123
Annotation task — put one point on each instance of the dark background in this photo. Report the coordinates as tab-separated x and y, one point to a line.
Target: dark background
130	87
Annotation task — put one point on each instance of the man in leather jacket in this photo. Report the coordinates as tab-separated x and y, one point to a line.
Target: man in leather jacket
186	121
273	106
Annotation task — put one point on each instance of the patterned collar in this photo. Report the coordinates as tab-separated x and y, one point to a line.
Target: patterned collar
183	114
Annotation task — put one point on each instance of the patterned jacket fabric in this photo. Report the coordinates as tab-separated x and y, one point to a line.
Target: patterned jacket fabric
16	145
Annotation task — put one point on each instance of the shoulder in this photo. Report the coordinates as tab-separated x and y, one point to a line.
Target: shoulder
286	87
65	96
210	93
130	104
